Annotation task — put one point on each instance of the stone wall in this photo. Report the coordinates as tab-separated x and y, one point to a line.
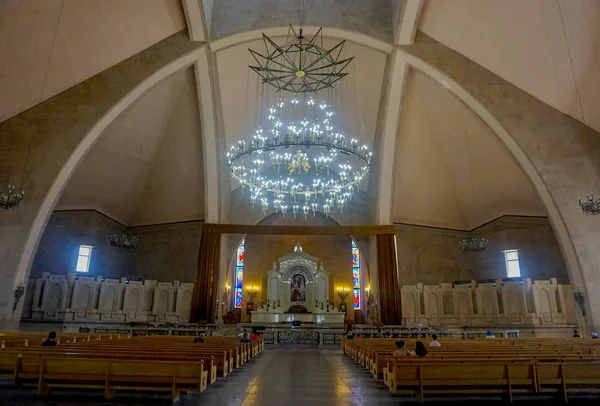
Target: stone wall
163	250
499	303
66	231
432	255
168	251
95	299
539	253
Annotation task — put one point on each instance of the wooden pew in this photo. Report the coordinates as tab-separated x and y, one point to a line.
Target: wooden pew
484	366
47	373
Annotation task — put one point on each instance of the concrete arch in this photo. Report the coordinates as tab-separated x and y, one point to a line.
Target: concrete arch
525	163
402	57
282	31
53	194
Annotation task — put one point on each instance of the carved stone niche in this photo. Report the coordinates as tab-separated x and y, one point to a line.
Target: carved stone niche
486	296
110	303
411	304
85	296
184	301
132	302
164	301
546	296
463	303
514	303
54	297
279	281
433	301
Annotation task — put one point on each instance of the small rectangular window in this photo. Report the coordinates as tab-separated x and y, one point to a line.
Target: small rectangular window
83	259
512	264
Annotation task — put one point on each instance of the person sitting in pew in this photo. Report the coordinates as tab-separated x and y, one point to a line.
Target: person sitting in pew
594	336
49	342
378	334
434	342
576	334
490	334
245	338
420	350
402	351
199	338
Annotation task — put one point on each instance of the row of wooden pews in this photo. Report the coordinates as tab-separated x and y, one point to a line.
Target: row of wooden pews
116	362
478	367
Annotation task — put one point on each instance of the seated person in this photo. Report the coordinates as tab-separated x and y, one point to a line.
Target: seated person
49	342
434	342
402	351
576	334
254	337
349	333
420	350
245	338
378	334
594	336
490	334
199	338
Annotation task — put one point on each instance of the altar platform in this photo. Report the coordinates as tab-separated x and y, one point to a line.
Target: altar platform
280	316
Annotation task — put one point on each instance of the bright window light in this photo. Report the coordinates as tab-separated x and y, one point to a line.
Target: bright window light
83	259
511	258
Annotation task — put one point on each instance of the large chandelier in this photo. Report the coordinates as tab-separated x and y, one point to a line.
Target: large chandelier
301	64
474	244
299	162
123	241
9	199
590	205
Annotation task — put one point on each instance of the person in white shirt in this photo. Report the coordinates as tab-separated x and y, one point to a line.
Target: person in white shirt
435	342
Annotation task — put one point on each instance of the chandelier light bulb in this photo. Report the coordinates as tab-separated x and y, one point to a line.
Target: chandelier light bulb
303	160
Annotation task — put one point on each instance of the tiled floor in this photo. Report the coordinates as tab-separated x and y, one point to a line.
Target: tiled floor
286	376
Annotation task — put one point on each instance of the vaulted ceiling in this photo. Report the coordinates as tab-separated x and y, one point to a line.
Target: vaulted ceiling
450	170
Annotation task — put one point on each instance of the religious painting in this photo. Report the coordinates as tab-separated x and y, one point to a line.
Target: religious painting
298	288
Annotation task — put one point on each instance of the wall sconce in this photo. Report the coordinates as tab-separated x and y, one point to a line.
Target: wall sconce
228	289
343	293
19	292
252	291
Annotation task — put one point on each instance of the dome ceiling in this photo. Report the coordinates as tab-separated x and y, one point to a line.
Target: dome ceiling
48	46
451	171
551	50
147	167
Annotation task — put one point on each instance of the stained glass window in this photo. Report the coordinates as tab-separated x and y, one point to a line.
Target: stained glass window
356	275
239	274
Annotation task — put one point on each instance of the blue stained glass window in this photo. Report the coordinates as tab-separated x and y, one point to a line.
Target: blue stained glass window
356	275
239	274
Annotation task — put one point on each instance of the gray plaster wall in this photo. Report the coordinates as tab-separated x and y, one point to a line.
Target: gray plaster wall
66	231
432	255
372	17
165	252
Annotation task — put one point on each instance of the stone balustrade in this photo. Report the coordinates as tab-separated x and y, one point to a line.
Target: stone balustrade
501	303
95	299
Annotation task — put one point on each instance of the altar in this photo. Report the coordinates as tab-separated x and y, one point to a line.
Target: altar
298	291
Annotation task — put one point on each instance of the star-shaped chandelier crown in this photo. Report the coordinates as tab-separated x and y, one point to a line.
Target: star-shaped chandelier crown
300	65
